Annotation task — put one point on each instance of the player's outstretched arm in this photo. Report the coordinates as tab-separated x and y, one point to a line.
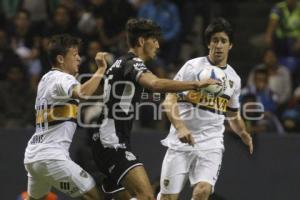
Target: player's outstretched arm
89	87
152	82
238	126
171	109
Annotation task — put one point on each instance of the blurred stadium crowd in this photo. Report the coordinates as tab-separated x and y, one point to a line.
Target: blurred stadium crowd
271	78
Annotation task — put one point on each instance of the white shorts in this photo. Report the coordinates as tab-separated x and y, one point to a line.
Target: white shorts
198	166
64	175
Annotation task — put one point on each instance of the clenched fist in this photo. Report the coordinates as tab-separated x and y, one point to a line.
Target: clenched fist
100	59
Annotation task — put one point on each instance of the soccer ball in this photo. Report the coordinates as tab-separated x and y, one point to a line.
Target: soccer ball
216	73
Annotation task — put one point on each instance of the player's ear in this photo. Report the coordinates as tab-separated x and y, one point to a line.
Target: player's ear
230	46
60	59
141	41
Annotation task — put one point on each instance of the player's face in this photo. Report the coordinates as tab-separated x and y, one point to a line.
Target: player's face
151	47
72	61
219	47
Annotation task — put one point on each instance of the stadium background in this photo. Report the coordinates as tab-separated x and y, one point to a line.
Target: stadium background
25	26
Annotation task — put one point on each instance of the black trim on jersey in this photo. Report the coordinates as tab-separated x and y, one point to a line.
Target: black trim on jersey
56	69
232	109
225	96
210	62
212	110
56	122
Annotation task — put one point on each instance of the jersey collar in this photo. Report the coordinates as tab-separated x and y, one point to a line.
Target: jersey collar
210	62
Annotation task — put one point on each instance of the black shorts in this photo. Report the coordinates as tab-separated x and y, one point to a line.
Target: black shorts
115	164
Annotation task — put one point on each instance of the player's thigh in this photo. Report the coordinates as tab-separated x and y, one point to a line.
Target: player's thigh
70	178
206	167
93	194
136	181
37	185
174	172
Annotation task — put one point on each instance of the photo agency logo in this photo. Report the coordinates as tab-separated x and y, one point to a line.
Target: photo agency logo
90	110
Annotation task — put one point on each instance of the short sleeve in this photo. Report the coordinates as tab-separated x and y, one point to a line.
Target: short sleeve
185	73
134	69
234	102
65	85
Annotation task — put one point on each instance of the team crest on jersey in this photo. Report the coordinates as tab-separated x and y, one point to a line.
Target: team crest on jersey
83	174
230	83
130	156
166	182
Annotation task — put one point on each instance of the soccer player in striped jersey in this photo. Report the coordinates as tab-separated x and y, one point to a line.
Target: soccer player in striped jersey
195	141
47	159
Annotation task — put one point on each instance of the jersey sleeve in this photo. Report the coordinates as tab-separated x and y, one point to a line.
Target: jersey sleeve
134	69
185	73
65	85
234	102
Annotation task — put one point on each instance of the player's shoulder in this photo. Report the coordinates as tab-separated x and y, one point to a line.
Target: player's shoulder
199	61
232	74
128	60
56	76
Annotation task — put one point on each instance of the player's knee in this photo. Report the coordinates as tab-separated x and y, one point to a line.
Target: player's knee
201	192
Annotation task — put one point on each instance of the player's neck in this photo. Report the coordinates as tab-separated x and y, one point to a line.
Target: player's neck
138	52
57	68
217	63
61	69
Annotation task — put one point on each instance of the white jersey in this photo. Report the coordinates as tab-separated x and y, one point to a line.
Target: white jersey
56	113
202	114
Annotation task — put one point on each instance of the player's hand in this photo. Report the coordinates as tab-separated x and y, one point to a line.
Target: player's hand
100	59
247	139
185	136
205	83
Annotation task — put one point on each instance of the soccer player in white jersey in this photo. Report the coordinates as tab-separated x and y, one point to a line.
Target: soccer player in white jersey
195	141
47	158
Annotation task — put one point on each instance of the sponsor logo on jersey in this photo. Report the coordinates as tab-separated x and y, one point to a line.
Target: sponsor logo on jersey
139	66
202	100
129	156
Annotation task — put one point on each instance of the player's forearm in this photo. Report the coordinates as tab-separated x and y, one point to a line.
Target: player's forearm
165	85
89	87
172	111
237	124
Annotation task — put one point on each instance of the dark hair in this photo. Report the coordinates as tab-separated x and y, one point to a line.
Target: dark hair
145	28
216	26
59	45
